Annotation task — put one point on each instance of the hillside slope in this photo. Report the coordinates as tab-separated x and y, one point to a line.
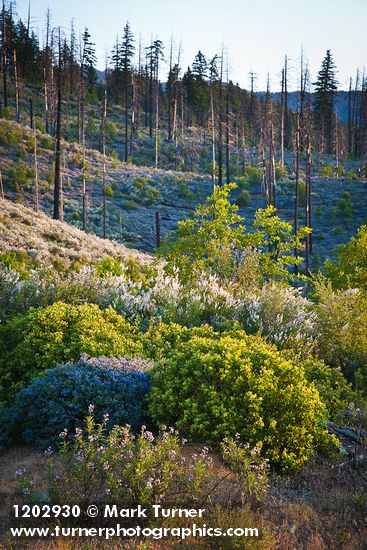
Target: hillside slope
136	193
23	230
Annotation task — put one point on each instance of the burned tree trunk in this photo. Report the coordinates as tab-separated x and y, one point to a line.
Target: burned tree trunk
36	193
296	199
57	179
220	128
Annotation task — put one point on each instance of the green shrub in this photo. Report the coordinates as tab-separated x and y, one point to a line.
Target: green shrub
241	182
34	342
214	385
334	390
244	198
280	172
184	191
108	191
350	269
341	326
214	241
111	131
19	176
19	261
10	134
345	207
77	159
326	171
254	174
5	112
46	142
144	190
76	216
301	193
128	204
352	175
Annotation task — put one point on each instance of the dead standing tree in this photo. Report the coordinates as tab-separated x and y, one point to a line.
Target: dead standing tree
103	131
58	210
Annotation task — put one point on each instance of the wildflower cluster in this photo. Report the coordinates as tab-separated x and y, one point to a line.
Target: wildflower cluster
249	466
94	463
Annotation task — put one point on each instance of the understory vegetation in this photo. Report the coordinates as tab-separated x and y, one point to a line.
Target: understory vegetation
112	366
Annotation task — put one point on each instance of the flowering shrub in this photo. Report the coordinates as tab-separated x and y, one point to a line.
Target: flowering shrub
280	314
118	466
341	323
59	333
165	297
213	385
59	398
158	296
251	469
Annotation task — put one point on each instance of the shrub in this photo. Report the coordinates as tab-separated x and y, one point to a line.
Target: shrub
341	325
249	466
59	333
143	190
211	386
10	134
108	191
345	207
19	176
60	397
214	241
46	142
334	390
254	174
244	198
280	172
128	204
77	159
326	171
126	468
281	315
350	270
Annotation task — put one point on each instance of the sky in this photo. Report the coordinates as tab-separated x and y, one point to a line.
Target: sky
256	34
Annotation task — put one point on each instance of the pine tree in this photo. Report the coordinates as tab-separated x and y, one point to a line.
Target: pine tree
325	88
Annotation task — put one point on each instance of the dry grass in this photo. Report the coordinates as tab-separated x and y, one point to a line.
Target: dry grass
322	508
23	230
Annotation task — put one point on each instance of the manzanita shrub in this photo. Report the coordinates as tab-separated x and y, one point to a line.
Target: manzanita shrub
210	386
43	338
59	398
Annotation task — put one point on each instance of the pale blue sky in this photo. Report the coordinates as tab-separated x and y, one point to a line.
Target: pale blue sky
257	33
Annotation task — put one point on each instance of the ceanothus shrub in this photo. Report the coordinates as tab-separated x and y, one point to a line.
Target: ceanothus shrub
43	338
61	396
214	385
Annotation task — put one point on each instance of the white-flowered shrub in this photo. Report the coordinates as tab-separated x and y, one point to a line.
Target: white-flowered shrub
282	315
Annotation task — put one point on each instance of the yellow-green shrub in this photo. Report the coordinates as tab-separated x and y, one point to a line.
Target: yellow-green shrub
214	385
32	343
